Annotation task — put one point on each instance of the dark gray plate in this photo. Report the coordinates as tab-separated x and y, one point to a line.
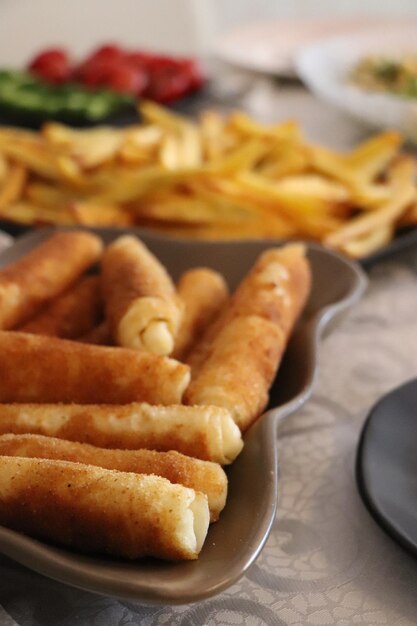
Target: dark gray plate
236	540
406	238
387	464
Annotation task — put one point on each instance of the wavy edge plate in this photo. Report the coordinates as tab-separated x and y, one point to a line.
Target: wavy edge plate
271	47
324	67
226	555
405	239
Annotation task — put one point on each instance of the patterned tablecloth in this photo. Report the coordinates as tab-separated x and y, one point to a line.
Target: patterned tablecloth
326	563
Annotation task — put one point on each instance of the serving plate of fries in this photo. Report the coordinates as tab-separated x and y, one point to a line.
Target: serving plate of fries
235	541
218	178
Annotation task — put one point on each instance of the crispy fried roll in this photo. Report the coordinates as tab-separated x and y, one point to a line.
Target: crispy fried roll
141	304
276	288
34	368
98	336
204	432
70	315
240	369
209	478
204	293
92	509
44	273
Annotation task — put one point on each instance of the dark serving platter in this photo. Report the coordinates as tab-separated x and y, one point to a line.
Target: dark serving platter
387	464
406	239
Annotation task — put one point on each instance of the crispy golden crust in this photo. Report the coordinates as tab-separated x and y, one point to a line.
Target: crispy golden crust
239	369
71	314
204	293
34	368
204	432
209	478
44	273
99	510
276	289
98	336
138	292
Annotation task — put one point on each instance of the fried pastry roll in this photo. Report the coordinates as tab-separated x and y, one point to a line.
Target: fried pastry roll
71	314
204	293
44	273
98	336
276	289
209	478
97	510
240	368
204	432
34	368
142	307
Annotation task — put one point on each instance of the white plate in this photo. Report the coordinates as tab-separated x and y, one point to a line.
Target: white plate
271	47
325	67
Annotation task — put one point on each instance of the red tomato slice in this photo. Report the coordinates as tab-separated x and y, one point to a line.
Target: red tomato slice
93	73
118	75
195	73
139	59
167	84
126	78
52	65
109	52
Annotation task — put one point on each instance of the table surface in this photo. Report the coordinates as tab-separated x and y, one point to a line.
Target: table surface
326	561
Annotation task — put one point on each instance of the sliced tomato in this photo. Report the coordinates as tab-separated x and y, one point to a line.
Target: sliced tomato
109	52
195	73
167	83
139	58
52	65
126	78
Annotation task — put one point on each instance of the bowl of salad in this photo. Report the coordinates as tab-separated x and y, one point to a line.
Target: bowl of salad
370	74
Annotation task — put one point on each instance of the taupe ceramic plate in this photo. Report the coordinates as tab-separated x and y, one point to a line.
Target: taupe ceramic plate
236	540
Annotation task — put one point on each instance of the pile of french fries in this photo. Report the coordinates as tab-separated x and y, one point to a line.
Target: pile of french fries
218	178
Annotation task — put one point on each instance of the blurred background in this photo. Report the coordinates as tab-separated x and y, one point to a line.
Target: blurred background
184	26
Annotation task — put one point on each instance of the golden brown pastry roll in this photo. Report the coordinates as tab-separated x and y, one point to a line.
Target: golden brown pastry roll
71	314
97	510
44	273
204	476
204	293
142	307
276	288
240	368
204	432
98	336
34	368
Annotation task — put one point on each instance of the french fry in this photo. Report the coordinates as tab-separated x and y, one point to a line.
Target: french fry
13	185
4	168
89	148
160	116
401	179
91	214
363	246
213	135
30	213
372	157
29	151
280	132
